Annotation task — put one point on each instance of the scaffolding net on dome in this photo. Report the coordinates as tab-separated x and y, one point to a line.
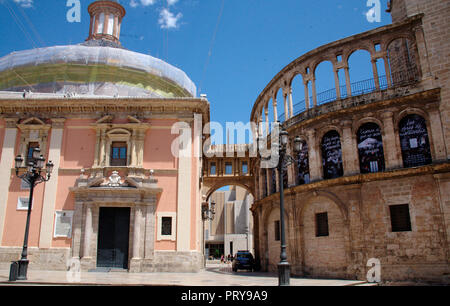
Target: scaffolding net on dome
92	70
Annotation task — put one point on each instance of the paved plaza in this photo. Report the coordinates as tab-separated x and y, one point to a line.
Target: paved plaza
213	275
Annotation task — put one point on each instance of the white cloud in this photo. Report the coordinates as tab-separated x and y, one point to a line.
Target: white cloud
24	3
167	20
135	3
171	2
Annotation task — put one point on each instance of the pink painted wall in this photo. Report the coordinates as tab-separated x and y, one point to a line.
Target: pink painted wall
2	135
65	200
15	220
78	147
158	156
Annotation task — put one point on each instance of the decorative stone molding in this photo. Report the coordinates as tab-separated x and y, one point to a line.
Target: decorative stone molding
132	133
33	130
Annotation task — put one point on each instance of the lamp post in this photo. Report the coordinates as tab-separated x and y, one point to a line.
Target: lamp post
208	212
33	177
284	160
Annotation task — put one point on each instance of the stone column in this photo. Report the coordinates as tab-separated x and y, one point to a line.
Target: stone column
307	104
314	91
375	74
96	24
91	26
437	136
86	259
275	110
133	155
266	111
136	254
149	231
76	231
392	152
314	158
106	24
51	187
336	82
286	108
116	24
347	81
184	193
6	164
102	150
97	149
291	104
349	150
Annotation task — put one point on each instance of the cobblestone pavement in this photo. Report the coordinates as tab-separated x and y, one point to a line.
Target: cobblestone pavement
213	275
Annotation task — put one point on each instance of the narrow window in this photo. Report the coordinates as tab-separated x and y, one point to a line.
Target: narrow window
322	224
400	219
212	169
119	154
228	168
110	24
277	230
166	226
244	168
31	147
101	22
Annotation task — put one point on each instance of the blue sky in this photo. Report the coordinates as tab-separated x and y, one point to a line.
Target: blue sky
231	49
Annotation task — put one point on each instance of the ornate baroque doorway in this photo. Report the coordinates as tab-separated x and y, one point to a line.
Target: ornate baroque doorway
113	237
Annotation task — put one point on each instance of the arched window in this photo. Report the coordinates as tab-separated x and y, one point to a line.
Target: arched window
370	148
414	141
303	165
110	24
101	23
332	155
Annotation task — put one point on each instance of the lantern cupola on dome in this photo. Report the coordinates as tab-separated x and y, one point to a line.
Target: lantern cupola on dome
106	20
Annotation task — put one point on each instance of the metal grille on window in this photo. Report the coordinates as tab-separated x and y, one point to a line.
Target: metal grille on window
166	226
400	218
322	224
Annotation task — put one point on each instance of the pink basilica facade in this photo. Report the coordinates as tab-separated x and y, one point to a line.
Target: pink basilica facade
122	131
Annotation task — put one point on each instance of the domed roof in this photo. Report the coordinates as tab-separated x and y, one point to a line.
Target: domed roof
99	66
94	70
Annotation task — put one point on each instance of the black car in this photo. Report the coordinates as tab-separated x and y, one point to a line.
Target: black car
243	260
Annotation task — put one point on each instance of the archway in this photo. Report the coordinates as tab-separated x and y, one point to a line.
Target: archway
231	229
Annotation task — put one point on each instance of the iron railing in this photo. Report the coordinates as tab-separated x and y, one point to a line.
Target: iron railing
400	78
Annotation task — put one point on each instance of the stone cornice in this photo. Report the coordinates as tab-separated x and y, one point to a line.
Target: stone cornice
352	105
48	106
434	169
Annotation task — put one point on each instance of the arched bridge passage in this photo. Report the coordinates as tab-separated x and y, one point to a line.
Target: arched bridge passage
227	165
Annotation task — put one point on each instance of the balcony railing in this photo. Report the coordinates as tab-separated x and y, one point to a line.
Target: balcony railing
398	79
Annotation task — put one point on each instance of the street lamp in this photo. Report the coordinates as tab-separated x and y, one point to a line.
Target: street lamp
284	160
32	176
208	213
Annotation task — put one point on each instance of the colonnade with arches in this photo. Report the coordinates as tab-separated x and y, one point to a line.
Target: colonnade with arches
389	56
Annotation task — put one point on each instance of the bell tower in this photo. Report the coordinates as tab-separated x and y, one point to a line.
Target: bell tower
106	20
